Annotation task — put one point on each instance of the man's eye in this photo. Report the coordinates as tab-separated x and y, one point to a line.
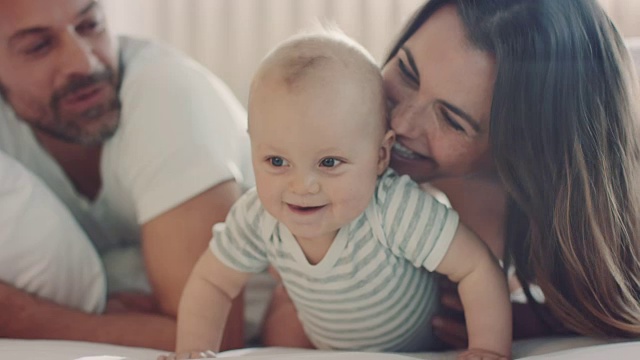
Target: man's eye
330	162
88	26
38	48
277	161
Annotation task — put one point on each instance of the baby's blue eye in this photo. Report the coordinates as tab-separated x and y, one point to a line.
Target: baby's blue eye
277	161
329	162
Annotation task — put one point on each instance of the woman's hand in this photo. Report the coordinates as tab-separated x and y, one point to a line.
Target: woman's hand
449	325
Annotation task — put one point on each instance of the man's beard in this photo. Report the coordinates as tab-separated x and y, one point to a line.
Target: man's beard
73	128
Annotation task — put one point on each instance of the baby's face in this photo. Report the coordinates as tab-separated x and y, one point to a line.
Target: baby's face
317	151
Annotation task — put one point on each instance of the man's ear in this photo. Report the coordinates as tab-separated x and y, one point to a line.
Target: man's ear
385	151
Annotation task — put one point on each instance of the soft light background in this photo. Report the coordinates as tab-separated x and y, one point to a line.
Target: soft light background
230	37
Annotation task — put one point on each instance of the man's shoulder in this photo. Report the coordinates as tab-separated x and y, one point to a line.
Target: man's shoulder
133	49
152	69
143	56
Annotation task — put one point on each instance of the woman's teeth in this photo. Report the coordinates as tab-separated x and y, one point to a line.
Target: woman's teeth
405	152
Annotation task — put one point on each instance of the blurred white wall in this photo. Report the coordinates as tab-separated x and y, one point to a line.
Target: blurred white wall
625	14
230	37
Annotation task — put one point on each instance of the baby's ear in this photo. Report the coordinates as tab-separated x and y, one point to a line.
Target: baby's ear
385	151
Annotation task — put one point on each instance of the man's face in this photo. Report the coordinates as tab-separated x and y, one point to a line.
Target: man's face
59	68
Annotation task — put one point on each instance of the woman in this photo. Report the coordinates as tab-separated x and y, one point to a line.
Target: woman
524	114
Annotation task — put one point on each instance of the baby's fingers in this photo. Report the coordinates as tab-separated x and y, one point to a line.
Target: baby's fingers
207	354
479	354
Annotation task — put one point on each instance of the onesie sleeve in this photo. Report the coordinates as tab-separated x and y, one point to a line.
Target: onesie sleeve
239	242
182	132
414	224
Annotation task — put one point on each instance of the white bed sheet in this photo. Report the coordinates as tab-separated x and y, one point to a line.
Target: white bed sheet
550	348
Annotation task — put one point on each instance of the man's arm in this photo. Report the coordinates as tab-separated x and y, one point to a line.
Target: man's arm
24	316
174	241
38	230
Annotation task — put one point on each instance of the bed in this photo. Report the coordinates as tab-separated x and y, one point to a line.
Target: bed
547	348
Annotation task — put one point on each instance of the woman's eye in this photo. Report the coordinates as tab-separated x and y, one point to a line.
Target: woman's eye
454	124
330	162
406	73
277	161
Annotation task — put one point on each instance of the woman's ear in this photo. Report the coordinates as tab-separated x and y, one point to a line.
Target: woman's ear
385	151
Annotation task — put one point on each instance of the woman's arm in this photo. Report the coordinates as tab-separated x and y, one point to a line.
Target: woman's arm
450	326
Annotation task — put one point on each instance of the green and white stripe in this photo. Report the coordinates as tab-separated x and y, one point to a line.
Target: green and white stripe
373	291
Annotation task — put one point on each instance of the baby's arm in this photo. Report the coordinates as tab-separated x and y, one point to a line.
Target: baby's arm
205	304
484	294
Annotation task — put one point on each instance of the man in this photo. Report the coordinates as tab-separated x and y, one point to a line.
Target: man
142	145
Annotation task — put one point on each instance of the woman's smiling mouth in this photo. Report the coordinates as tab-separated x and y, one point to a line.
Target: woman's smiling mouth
405	152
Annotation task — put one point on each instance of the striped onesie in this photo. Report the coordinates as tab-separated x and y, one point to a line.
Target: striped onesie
373	290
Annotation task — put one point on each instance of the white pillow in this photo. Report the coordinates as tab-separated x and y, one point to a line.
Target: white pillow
43	251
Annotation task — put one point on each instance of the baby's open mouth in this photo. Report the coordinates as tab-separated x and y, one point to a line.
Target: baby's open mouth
304	209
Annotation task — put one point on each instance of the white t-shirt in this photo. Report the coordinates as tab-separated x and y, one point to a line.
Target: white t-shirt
181	132
43	251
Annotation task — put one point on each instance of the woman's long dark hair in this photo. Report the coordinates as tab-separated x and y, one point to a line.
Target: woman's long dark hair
564	133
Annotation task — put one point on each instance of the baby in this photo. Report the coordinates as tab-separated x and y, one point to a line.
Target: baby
354	242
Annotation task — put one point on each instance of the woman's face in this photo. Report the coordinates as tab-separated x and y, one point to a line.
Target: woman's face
440	90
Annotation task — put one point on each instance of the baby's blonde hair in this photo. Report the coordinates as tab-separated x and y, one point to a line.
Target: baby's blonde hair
329	49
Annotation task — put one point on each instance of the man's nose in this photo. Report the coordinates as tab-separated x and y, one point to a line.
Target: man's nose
77	56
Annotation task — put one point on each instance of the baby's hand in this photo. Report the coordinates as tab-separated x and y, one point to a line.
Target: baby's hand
480	354
207	354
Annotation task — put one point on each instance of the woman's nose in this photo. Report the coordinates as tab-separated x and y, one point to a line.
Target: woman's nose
408	120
